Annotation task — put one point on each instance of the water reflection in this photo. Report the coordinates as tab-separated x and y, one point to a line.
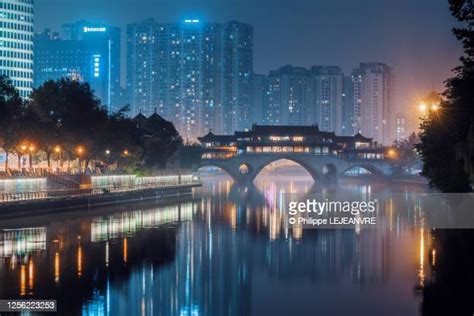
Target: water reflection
229	253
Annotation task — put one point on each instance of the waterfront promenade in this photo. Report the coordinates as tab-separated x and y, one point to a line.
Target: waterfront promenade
19	195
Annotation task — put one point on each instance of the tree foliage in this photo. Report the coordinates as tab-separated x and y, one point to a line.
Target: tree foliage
65	114
11	113
447	137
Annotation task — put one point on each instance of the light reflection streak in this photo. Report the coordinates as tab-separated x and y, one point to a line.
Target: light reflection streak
125	250
31	275
421	273
129	223
23	280
57	271
79	261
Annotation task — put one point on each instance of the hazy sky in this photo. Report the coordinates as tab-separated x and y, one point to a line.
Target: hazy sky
412	36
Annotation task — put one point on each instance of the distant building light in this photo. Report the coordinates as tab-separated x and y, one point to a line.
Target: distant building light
94	29
191	21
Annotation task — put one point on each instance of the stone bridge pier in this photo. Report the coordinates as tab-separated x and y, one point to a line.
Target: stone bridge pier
244	168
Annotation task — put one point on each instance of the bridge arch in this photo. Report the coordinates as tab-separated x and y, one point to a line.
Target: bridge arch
315	175
226	168
373	170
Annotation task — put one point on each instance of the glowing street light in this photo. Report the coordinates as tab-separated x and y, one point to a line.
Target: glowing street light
80	150
125	152
107	152
392	153
423	107
57	149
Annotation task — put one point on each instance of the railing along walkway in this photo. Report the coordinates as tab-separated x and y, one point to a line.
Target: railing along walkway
51	194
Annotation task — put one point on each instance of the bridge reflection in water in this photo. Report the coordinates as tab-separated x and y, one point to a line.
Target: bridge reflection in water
225	254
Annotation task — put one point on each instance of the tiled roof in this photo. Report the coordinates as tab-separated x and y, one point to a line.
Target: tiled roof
211	137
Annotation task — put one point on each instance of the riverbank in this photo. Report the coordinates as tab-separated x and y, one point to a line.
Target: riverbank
89	199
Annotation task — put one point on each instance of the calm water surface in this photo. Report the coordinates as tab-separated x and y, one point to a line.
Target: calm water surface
225	252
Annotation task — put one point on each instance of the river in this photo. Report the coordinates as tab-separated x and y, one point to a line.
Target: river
224	252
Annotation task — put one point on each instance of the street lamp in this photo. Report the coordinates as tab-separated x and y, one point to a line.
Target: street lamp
125	152
23	148
57	149
31	150
392	153
80	151
423	107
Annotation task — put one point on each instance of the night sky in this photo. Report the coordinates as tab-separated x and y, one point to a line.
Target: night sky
412	36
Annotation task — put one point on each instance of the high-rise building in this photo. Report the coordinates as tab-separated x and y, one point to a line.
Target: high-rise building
326	98
373	101
356	78
237	55
88	52
288	96
198	75
401	127
142	57
347	107
16	43
260	99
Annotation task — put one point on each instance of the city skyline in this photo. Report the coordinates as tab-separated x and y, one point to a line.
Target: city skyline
328	33
198	73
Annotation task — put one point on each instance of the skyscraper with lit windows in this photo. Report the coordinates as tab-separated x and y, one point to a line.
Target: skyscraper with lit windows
16	43
87	52
195	74
288	96
373	101
326	88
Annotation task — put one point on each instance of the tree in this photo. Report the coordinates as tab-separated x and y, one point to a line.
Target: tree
160	141
447	141
406	149
71	116
11	112
189	155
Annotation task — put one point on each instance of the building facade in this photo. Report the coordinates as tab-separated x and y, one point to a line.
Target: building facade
373	101
16	43
401	127
347	128
142	56
198	75
260	99
301	96
326	98
289	96
88	52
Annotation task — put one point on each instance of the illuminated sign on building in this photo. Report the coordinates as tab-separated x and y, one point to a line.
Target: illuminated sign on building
94	29
96	66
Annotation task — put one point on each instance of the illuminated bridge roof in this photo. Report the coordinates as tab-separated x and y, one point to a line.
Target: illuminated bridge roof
211	137
265	131
284	130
